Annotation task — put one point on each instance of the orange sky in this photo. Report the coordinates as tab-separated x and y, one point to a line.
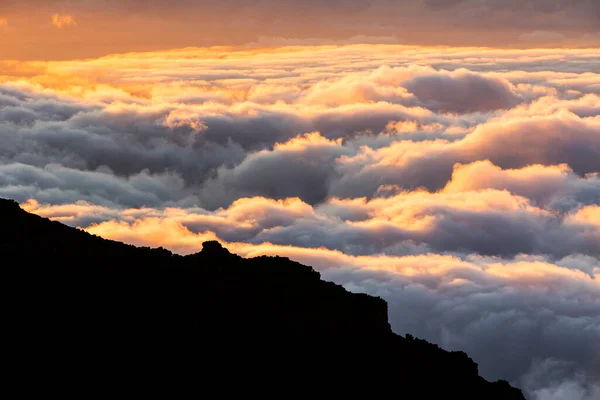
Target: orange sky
56	29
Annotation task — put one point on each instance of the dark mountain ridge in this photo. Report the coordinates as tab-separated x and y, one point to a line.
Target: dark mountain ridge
266	320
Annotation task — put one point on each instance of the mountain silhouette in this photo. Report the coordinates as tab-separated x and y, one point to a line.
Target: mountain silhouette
82	303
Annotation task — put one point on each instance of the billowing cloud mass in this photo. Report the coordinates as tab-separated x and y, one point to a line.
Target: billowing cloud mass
460	184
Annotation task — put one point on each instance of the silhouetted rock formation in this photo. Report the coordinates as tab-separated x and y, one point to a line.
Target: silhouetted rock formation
94	303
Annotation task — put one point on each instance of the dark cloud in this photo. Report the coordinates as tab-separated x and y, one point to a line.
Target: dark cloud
300	168
462	92
40	132
55	184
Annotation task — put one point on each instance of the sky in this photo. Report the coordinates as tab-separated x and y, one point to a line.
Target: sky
68	29
441	154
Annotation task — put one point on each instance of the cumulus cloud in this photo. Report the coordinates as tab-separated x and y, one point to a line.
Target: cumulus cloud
459	184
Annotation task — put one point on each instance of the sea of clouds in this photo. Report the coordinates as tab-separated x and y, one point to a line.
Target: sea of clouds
459	184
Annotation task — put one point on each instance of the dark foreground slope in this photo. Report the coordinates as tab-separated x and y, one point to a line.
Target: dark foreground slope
81	303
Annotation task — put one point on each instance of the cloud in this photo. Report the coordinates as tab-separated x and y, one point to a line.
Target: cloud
550	187
462	92
56	184
299	167
487	222
541	385
460	181
63	20
221	145
459	91
350	170
507	142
